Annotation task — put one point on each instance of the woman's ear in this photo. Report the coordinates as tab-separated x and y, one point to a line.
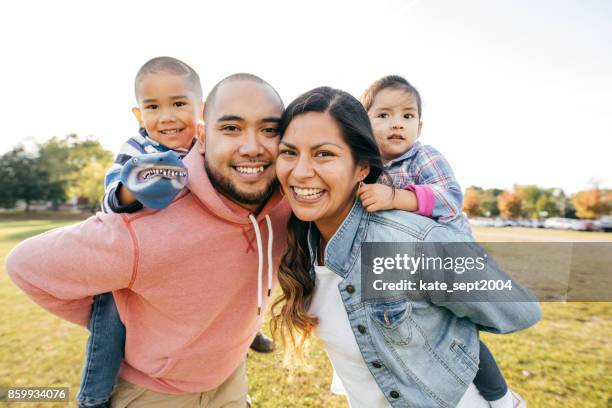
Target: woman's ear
201	136
138	114
364	170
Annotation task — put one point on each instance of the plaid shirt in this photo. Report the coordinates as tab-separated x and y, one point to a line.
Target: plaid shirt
425	166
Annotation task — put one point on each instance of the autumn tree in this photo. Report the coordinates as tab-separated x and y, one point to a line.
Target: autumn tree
593	203
509	204
471	203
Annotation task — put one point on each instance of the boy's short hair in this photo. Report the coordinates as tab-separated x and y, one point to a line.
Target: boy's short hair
389	81
169	65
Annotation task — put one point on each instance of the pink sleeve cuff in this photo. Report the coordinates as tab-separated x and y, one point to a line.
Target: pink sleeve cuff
425	199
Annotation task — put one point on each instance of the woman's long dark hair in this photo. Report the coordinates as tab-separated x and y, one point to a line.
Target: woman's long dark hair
293	321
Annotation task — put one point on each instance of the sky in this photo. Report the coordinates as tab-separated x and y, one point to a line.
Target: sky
513	91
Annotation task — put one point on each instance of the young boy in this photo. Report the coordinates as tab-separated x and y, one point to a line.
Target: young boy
419	179
170	104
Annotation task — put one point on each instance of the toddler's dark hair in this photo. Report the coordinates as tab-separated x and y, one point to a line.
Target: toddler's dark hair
389	81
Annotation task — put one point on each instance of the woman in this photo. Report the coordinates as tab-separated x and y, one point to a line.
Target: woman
400	353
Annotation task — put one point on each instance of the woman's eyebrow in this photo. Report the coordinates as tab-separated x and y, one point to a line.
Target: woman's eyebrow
326	143
289	145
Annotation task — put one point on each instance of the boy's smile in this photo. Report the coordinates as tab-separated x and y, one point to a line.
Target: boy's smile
168	109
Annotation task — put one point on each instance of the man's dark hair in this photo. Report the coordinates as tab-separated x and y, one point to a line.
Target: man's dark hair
169	65
241	76
389	81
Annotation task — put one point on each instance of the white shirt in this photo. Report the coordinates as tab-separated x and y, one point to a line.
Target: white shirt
353	376
335	331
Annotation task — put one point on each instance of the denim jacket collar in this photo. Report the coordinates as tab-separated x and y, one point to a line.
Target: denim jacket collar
343	247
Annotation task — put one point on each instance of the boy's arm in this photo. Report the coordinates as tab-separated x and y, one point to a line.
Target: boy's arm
117	198
62	269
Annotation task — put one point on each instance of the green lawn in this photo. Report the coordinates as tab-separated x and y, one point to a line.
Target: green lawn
565	361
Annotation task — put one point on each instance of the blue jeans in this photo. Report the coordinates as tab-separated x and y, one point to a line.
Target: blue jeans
104	351
489	380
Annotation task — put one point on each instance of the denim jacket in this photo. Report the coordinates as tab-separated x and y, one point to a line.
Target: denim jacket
421	354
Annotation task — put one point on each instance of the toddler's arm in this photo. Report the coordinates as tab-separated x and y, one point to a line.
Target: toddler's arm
438	192
435	193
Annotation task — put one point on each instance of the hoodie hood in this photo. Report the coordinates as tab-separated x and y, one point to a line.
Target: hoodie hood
199	184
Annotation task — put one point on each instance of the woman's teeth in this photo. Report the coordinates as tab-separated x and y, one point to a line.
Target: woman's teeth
250	170
308	193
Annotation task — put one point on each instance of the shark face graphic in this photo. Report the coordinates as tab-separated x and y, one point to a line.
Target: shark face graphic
155	179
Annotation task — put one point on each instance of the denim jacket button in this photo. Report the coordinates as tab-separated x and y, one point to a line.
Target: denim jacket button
394	394
376	364
361	329
350	289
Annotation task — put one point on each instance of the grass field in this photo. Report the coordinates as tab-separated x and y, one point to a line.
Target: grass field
564	361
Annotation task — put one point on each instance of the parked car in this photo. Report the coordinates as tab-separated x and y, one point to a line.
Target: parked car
558	223
605	223
577	225
481	222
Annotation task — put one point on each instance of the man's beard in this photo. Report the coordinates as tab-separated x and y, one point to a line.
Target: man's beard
225	187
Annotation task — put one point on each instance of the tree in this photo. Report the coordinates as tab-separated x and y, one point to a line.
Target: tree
90	184
488	202
509	204
592	204
471	203
23	178
67	159
530	194
546	206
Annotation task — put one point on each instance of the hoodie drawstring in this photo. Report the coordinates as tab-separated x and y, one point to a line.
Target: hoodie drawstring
260	259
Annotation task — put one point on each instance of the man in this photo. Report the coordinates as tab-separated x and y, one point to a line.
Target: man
184	278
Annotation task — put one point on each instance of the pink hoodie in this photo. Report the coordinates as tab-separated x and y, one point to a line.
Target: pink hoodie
185	280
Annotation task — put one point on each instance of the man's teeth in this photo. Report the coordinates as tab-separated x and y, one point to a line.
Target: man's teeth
170	131
250	170
308	192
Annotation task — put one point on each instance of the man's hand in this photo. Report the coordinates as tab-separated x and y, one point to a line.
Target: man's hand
154	179
376	197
